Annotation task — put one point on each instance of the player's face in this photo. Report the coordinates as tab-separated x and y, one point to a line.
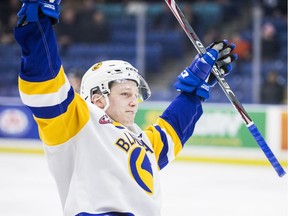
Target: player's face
123	99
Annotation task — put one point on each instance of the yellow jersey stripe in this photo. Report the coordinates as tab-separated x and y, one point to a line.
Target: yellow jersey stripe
44	100
171	132
155	139
60	129
45	87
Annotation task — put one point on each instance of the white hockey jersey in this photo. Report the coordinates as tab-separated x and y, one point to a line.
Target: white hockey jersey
100	167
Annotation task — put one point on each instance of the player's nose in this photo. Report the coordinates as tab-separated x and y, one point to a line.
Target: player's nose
133	101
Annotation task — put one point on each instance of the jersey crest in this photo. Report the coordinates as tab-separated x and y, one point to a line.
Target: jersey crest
139	164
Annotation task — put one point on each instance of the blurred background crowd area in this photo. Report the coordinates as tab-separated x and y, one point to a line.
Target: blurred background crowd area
146	34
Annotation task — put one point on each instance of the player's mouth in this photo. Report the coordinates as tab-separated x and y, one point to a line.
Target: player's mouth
130	112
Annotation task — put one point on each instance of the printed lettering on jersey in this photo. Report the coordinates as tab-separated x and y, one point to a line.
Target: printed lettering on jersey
138	162
129	140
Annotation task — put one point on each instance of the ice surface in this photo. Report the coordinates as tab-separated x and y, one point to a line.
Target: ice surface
27	189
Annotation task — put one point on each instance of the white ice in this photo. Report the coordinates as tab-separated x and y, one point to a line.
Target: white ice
27	189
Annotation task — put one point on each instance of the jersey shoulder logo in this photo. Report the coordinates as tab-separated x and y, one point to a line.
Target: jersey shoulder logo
105	119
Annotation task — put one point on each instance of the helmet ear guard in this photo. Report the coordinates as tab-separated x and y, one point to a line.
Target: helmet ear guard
99	77
95	90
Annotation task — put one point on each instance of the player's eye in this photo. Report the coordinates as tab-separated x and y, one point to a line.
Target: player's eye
125	93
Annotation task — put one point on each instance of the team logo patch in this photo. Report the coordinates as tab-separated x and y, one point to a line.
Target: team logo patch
105	119
139	165
97	66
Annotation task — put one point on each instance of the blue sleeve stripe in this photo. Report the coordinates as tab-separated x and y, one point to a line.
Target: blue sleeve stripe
163	157
53	111
46	99
58	130
174	142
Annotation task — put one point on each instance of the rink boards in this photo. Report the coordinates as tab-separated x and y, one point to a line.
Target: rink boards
220	135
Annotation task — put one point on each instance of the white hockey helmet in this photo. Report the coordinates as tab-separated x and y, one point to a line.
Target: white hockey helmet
100	75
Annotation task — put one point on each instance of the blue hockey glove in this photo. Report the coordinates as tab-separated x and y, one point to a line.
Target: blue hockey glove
197	76
31	10
194	76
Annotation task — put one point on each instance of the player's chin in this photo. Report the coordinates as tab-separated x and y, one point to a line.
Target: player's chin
129	120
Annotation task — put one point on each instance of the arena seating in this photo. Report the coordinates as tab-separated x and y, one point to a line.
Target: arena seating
160	46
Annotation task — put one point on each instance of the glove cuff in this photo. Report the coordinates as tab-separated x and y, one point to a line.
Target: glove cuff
183	87
51	10
32	10
187	81
203	91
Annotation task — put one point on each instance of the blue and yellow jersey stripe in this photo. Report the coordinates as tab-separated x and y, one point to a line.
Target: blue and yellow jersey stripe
174	127
63	127
166	143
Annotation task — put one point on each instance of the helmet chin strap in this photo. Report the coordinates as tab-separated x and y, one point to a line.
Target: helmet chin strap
107	101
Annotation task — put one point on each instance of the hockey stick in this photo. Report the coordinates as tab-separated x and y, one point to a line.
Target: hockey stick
226	88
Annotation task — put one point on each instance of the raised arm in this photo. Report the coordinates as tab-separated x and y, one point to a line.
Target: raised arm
59	112
176	125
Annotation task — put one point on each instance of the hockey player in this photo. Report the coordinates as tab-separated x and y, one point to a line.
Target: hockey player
102	162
